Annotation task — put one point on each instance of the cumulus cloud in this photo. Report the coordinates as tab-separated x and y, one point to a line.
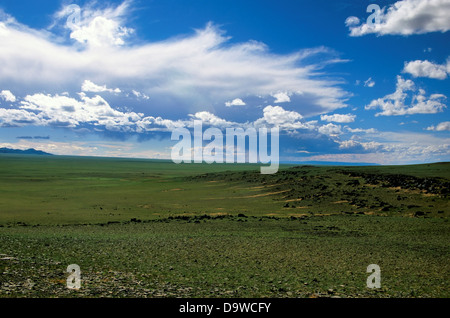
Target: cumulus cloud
63	111
235	102
428	69
276	115
330	129
211	119
7	96
151	124
281	97
96	27
352	21
407	17
444	126
89	86
338	118
17	118
284	119
396	103
367	146
272	116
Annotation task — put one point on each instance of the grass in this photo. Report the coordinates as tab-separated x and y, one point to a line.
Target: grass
72	190
141	228
231	257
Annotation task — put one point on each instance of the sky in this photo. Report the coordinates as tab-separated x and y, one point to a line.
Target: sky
345	81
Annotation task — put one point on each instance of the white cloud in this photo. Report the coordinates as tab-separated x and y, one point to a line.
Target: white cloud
338	118
101	31
89	86
351	21
150	123
60	110
346	144
63	111
444	126
17	118
408	17
367	146
7	96
140	95
371	145
96	27
426	68
421	147
360	130
369	83
235	102
391	148
211	119
281	97
284	119
276	115
192	70
395	104
330	129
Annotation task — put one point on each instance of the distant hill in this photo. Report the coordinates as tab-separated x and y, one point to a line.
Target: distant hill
30	151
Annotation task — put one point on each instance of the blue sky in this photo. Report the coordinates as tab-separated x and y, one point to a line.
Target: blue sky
113	78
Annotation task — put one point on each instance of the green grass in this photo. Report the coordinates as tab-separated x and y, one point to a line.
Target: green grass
231	257
76	190
143	228
68	190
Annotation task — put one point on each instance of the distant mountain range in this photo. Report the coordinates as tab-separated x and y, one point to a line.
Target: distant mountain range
30	151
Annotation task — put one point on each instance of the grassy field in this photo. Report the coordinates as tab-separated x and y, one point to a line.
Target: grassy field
142	228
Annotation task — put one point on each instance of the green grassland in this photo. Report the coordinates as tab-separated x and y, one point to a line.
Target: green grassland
148	228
